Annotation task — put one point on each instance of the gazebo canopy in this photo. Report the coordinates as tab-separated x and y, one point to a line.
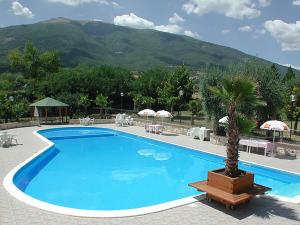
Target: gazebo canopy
49	102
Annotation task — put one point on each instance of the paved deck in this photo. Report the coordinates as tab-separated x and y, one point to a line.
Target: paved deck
258	211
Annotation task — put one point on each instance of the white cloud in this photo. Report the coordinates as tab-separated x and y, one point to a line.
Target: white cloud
296	2
134	21
170	28
264	3
225	31
290	65
115	4
231	8
191	34
97	20
176	18
80	2
260	31
287	34
19	10
245	28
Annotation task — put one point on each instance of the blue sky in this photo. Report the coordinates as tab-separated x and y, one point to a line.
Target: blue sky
267	28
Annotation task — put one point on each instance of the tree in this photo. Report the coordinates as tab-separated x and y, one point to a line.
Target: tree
85	102
178	80
234	92
213	105
195	106
20	109
32	63
101	101
275	71
270	89
289	75
6	106
292	109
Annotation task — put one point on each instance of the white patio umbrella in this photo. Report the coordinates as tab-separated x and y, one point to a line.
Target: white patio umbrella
274	125
224	120
163	114
147	112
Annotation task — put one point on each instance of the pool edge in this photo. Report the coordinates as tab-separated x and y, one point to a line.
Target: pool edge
15	192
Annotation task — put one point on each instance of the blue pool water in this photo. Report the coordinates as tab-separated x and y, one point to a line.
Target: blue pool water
103	169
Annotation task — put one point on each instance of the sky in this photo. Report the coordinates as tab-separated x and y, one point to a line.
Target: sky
269	29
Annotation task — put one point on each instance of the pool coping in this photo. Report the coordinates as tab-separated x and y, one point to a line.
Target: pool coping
14	191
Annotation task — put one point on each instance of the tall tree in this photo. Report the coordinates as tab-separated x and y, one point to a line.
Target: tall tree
292	109
213	106
275	71
234	92
289	75
270	89
177	89
32	63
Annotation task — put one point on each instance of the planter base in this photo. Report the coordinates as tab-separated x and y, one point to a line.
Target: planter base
229	191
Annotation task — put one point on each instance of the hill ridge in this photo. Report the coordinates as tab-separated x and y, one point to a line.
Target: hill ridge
97	43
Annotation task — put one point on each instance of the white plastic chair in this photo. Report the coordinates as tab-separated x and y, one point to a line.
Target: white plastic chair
120	120
7	139
189	132
92	121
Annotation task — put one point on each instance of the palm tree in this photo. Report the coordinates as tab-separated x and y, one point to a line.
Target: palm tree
234	93
85	102
102	102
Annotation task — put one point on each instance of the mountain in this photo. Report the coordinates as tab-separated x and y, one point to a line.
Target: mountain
94	42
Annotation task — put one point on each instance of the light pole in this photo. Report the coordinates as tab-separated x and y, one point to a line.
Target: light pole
180	96
293	100
11	99
122	94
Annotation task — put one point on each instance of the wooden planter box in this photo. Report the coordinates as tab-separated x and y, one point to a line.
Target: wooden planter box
238	185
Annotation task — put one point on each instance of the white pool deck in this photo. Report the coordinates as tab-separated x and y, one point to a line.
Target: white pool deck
259	210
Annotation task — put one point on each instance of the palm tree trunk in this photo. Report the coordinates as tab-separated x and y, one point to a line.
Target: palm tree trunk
231	168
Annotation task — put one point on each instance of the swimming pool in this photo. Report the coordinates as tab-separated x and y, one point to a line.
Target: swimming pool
103	170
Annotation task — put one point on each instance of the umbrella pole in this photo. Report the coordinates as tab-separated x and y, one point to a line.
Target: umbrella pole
273	143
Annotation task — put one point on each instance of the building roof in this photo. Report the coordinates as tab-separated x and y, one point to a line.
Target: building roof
49	102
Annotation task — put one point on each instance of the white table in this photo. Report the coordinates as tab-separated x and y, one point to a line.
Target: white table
154	128
266	145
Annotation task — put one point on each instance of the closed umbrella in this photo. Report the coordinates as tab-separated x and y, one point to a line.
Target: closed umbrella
163	114
274	125
36	114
